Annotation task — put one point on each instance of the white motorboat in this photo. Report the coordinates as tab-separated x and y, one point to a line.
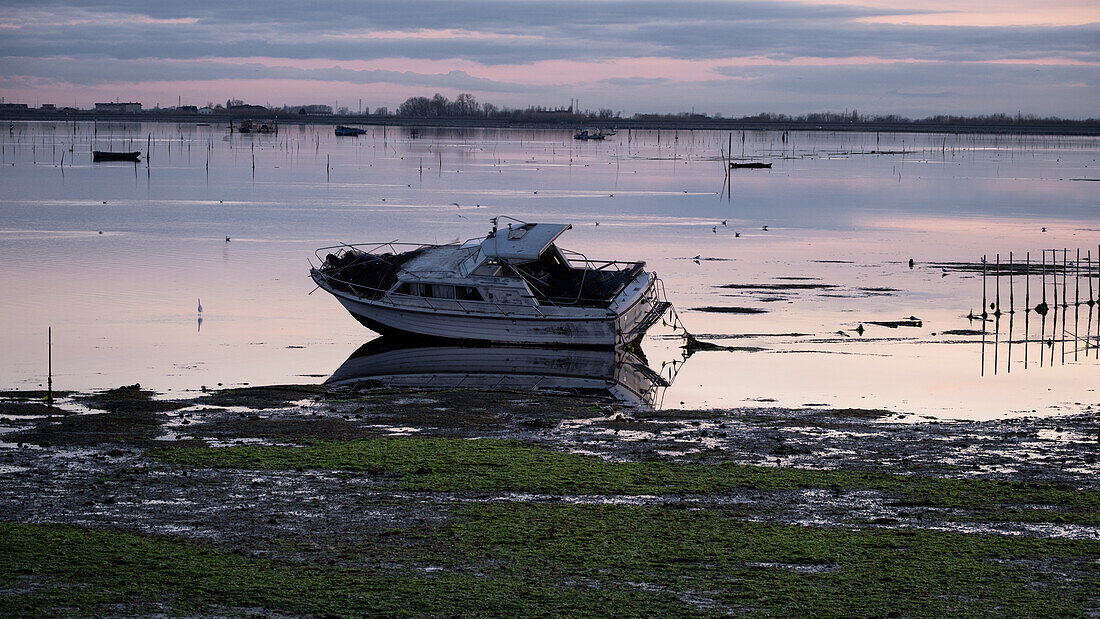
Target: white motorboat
514	286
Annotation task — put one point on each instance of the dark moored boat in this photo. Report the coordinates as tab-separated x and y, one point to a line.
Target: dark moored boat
108	155
753	165
349	131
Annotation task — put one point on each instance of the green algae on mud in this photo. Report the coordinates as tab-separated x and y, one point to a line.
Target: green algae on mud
558	559
482	465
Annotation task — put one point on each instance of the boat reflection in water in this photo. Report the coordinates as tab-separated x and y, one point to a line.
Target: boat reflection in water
615	372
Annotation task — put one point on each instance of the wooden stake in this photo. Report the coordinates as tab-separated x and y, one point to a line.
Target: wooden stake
49	366
1011	299
997	310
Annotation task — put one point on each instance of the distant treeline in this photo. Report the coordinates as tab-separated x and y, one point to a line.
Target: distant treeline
466	106
466	110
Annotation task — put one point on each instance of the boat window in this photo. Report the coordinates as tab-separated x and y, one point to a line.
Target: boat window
440	291
489	269
468	293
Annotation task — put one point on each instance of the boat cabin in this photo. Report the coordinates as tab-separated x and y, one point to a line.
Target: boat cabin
519	265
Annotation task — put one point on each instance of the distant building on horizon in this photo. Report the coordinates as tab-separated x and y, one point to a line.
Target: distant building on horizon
13	106
118	108
247	110
311	109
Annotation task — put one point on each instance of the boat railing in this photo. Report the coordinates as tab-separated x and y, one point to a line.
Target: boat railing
390	298
595	265
344	248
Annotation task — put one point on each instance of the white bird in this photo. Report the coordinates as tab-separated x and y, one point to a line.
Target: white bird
200	306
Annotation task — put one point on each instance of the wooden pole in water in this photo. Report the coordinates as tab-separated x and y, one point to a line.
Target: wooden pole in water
1065	274
984	301
1088	273
1076	302
49	366
1054	273
997	309
1077	279
1027	303
1027	282
1011	298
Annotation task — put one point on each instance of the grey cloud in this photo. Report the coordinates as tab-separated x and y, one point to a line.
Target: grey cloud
563	30
635	81
90	71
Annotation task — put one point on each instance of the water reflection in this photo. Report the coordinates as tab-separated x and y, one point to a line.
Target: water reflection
618	373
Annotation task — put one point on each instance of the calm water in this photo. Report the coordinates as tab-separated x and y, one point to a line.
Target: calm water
116	256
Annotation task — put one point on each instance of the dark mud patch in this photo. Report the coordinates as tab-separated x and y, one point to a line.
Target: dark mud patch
262	397
694	344
894	324
851	413
129	399
39	394
8	407
715	309
769	286
129	427
741	336
1016	269
630	425
961	332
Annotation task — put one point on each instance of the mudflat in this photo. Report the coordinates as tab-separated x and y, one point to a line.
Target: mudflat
304	499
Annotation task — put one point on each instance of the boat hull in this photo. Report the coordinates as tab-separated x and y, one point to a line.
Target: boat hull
104	155
555	326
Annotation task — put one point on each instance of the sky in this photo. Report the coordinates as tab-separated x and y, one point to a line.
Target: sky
916	58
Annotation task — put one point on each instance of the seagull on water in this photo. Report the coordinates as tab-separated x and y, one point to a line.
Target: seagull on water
765	228
723	222
736	235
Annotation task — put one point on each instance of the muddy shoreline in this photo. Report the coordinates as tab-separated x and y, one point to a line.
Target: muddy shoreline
98	461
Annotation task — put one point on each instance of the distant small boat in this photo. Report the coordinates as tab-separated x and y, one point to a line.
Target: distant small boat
108	155
349	131
590	134
753	165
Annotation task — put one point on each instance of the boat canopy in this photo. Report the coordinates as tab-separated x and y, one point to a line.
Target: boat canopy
523	243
